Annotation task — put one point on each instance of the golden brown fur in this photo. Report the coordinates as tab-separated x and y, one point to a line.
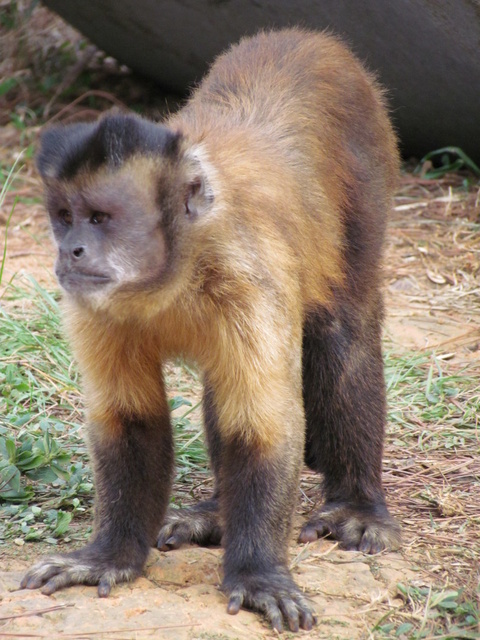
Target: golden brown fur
255	224
294	212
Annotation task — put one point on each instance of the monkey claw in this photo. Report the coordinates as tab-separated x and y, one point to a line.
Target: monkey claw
370	528
198	525
272	593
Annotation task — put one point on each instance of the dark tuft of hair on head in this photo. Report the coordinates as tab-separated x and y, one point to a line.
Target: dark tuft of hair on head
120	136
110	141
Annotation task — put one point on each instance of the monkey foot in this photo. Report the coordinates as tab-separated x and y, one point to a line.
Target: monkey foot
367	528
86	566
274	594
198	524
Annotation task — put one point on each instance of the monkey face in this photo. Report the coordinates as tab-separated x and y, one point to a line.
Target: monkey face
109	231
123	197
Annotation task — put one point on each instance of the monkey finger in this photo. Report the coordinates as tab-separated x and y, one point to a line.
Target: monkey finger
307	618
170	543
308	534
165	533
172	536
367	545
34	582
273	613
173	542
104	587
290	613
235	602
312	531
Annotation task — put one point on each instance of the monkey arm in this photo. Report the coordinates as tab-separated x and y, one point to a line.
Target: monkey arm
345	409
132	456
132	477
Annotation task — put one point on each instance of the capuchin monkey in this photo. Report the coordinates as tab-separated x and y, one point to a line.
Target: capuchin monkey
244	233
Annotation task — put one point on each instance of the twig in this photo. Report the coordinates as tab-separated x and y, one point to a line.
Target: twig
87	94
71	76
84	634
36	613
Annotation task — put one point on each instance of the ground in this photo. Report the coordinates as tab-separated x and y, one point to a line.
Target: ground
431	463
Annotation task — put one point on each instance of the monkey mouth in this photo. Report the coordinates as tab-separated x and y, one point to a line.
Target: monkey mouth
81	280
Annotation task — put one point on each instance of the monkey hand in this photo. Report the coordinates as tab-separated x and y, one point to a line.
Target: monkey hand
90	565
367	528
273	593
198	524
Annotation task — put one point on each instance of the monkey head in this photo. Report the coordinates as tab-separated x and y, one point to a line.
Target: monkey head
124	197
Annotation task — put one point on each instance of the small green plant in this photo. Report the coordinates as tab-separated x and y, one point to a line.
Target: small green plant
449	159
15	12
7	84
44	478
39	458
433	614
190	449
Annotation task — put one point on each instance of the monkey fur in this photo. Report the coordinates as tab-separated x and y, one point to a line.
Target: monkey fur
244	233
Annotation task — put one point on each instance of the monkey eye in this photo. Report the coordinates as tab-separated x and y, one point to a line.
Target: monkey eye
98	217
65	216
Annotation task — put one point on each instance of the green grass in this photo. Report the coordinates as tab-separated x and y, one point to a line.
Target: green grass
8	178
431	615
44	475
433	443
430	405
447	160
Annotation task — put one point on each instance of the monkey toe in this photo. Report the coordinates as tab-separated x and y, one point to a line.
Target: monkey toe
313	530
65	578
41	572
366	528
275	595
198	524
379	537
173	536
80	567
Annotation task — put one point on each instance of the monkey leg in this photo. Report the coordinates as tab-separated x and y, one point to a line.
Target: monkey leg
199	524
258	493
344	399
133	467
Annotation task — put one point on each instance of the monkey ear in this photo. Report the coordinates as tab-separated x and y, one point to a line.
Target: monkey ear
199	194
199	197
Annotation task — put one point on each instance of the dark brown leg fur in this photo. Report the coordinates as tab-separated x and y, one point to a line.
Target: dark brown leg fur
257	498
344	397
199	524
134	463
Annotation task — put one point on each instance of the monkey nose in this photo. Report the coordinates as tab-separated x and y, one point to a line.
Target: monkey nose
78	252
